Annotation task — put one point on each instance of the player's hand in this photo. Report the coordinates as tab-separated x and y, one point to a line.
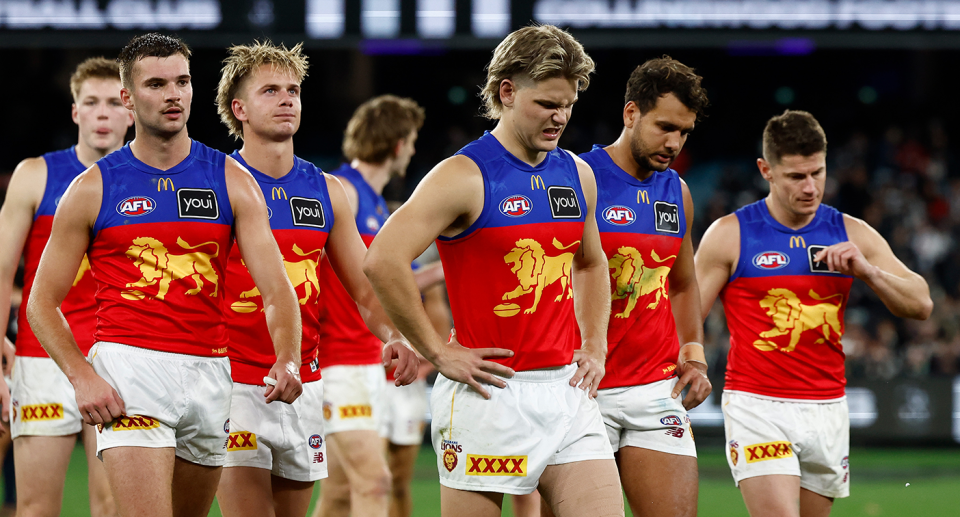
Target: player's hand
845	258
98	402
288	387
590	369
467	365
398	353
694	374
9	355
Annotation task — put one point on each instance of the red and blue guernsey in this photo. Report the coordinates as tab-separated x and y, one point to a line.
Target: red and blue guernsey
785	311
79	307
301	217
509	274
159	253
642	225
344	337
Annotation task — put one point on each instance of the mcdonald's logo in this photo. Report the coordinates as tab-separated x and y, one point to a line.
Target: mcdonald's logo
536	182
642	195
797	241
165	183
276	192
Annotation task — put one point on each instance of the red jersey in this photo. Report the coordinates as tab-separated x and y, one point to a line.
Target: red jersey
509	274
79	307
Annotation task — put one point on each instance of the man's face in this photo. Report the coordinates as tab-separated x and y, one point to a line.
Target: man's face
269	104
406	151
102	119
657	137
541	111
797	182
161	93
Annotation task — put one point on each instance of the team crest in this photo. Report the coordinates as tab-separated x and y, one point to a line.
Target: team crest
619	215
327	410
450	460
516	206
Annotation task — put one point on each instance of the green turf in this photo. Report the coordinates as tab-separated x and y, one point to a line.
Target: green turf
879	485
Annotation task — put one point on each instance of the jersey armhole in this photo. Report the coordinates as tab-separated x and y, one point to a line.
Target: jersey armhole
740	263
484	213
105	176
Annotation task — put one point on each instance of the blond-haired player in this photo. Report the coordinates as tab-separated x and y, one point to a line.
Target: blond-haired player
513	218
45	415
280	449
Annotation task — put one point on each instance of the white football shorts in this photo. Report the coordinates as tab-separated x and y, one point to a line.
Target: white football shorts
404	412
351	397
43	402
647	416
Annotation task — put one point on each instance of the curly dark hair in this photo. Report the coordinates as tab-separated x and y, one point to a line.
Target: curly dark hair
152	44
660	76
793	133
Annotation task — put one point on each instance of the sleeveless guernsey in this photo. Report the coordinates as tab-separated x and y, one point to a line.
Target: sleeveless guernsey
509	274
642	224
301	217
79	307
159	253
785	311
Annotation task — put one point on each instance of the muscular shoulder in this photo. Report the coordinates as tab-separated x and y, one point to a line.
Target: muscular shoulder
862	234
721	241
28	182
587	179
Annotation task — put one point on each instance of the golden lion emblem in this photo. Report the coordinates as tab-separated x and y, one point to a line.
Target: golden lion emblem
84	267
536	270
631	279
790	316
158	267
302	272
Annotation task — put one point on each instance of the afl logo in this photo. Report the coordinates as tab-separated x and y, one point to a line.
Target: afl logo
619	215
316	441
516	206
670	420
136	206
770	260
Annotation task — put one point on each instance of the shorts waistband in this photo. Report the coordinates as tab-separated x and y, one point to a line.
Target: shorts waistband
544	374
780	399
146	352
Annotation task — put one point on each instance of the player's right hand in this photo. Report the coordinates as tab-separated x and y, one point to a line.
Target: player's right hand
288	387
467	365
98	402
9	355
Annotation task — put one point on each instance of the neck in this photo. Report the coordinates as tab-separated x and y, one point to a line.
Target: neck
160	151
622	155
376	175
275	159
785	217
88	155
513	143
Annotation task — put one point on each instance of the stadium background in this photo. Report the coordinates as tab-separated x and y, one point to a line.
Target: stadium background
879	75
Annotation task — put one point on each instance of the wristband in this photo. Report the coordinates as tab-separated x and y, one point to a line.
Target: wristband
694	354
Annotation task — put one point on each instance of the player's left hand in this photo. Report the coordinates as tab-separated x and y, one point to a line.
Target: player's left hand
288	387
400	354
845	258
590	370
694	374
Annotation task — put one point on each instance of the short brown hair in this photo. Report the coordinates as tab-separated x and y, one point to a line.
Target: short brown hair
538	52
793	133
241	61
377	126
93	68
660	76
153	44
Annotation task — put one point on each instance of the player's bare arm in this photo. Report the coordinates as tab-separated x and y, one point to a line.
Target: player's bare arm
867	256
445	203
716	260
590	277
16	218
685	303
265	264
99	403
345	250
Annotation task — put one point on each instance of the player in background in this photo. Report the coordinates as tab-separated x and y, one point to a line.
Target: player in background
276	451
157	219
513	218
45	415
645	212
378	142
783	267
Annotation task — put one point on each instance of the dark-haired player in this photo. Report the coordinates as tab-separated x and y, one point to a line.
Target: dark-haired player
45	415
157	219
644	213
783	267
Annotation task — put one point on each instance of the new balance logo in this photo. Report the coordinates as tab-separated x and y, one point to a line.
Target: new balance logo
497	465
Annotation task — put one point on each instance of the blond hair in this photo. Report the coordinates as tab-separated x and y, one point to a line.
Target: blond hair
537	52
93	68
241	62
377	125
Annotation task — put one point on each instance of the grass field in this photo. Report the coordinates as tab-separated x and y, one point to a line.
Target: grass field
879	488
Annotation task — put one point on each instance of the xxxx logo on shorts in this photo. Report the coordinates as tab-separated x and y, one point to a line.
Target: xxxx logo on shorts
357	411
768	451
135	423
242	441
497	465
40	412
